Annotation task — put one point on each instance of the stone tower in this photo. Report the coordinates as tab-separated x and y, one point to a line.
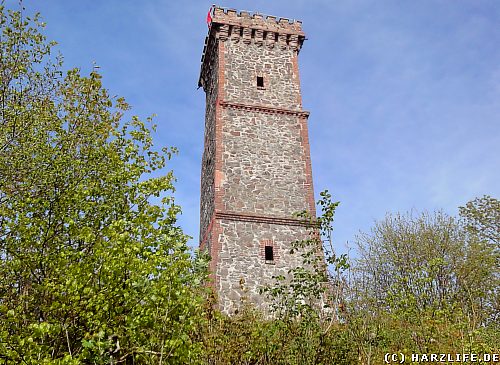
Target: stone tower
256	167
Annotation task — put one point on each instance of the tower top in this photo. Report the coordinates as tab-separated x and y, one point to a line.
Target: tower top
255	20
250	28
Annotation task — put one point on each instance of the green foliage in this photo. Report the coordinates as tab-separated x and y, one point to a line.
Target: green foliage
249	338
411	263
422	284
482	217
91	271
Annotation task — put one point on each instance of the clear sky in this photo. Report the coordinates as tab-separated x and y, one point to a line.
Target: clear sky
404	95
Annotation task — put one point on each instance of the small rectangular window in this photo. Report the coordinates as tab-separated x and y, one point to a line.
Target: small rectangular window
260	81
269	253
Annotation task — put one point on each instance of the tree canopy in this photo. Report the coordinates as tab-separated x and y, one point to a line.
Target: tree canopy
92	264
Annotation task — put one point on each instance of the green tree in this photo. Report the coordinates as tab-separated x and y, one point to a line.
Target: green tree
482	217
425	258
91	271
421	283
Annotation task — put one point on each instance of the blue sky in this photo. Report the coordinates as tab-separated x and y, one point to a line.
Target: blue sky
404	95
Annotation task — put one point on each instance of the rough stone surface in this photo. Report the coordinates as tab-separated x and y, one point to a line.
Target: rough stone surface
207	203
264	170
245	62
256	170
242	267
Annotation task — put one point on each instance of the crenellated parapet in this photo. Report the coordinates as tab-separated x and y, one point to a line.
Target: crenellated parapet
266	31
260	27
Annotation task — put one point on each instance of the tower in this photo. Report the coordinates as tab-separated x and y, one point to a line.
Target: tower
256	166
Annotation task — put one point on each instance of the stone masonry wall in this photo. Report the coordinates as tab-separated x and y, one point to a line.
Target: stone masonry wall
263	164
207	201
264	171
242	268
244	62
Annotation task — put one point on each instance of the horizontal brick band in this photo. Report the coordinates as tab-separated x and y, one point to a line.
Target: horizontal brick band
265	109
262	219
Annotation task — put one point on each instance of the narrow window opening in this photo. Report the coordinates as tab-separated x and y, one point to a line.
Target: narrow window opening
260	81
269	253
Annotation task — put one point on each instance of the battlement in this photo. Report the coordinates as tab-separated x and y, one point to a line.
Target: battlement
256	21
250	28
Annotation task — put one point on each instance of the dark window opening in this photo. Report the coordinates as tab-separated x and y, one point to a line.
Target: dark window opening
269	253
260	81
